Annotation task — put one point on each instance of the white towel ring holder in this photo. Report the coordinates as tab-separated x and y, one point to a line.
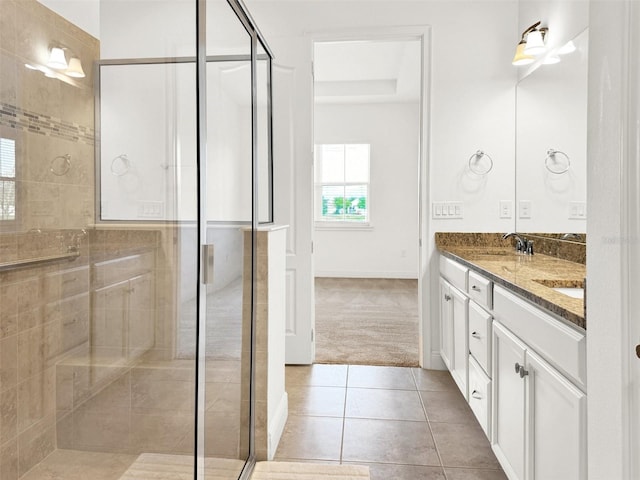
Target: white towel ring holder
475	158
551	155
120	165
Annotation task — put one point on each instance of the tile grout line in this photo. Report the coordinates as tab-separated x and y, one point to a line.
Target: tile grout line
344	414
424	409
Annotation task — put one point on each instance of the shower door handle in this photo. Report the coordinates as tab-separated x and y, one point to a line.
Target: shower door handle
207	267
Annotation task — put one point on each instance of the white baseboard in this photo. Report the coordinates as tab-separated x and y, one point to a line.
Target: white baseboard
359	274
436	362
276	425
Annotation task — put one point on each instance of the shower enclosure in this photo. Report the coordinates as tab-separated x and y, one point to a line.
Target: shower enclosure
133	176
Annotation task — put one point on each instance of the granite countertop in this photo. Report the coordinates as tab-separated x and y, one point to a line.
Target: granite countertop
530	276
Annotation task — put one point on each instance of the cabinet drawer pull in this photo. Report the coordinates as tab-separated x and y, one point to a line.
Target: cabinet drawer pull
447	297
477	289
521	371
476	335
69	280
476	394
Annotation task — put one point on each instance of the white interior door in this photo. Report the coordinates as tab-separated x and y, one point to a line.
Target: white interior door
293	200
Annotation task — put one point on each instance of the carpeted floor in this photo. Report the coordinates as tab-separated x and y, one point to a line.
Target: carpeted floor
367	321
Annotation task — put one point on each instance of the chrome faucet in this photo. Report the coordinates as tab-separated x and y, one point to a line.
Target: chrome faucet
522	245
568	236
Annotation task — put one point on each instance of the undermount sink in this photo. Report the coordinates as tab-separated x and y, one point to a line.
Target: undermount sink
571	292
571	288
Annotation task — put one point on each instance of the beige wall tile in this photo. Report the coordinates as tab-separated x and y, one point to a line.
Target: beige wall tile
8	414
36	399
35	444
159	432
8	362
158	390
101	432
9	458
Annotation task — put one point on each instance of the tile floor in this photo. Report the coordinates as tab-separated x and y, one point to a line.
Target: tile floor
404	423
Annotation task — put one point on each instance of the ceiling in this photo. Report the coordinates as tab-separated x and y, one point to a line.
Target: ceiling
367	71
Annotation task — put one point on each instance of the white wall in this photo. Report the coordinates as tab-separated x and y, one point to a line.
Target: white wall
552	113
612	136
472	106
473	86
83	13
390	248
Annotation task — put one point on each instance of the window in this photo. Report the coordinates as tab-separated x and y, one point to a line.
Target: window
342	183
7	179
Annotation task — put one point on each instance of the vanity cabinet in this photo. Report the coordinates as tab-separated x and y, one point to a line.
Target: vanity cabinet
454	346
539	414
123	308
522	371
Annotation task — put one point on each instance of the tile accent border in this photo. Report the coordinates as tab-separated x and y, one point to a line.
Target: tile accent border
33	122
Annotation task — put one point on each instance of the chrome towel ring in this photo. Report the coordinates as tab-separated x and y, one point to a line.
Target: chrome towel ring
554	164
474	161
120	165
60	165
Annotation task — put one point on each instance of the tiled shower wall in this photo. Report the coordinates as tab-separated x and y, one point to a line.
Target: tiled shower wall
48	119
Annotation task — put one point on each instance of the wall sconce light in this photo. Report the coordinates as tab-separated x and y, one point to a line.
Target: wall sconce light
530	45
58	62
75	68
57	59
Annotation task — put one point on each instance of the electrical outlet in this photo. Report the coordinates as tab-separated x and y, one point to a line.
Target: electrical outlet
524	209
506	208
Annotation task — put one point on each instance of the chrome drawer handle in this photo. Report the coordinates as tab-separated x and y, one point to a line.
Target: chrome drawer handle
473	287
518	367
476	394
476	335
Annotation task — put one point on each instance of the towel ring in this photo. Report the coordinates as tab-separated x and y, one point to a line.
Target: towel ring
60	165
120	165
478	155
551	155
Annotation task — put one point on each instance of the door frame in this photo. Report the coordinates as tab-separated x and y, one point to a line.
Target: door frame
422	33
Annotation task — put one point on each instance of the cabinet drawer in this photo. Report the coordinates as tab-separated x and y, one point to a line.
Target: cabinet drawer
561	345
480	289
454	272
66	283
480	335
118	269
480	395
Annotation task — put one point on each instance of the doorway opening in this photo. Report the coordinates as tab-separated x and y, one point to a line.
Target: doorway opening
367	164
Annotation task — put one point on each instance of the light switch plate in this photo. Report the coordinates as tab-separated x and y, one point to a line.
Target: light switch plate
506	208
447	210
524	209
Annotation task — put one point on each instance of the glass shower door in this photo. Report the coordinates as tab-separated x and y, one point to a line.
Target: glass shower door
228	217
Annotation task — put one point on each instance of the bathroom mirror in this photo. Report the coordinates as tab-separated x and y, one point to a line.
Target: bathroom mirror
551	144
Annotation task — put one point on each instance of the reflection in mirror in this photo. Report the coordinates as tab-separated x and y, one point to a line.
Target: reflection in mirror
551	146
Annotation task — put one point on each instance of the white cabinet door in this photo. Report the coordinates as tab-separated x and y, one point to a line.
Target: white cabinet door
141	314
446	324
459	318
508	410
557	423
